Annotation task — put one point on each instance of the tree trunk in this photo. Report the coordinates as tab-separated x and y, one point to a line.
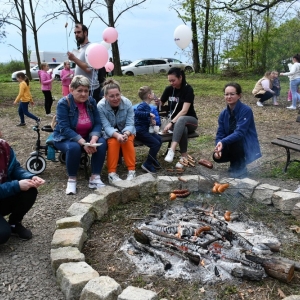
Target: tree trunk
205	40
195	42
114	46
34	30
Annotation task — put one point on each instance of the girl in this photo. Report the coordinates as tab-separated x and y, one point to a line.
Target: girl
183	119
46	86
24	98
276	87
66	76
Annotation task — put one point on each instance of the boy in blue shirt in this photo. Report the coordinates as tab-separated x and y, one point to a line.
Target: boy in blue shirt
144	121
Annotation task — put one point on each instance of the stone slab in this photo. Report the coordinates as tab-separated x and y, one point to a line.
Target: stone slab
70	237
134	293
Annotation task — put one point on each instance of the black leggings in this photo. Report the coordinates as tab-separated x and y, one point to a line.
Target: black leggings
48	101
17	206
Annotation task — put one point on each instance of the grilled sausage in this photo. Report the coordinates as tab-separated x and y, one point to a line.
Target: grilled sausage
206	163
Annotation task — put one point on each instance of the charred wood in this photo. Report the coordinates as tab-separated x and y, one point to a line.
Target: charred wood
248	273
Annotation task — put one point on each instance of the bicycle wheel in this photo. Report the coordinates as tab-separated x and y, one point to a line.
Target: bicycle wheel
62	157
36	164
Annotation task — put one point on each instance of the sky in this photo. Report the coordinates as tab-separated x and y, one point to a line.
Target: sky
144	31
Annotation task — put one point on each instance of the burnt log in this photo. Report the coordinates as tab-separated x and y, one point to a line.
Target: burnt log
152	252
281	270
248	273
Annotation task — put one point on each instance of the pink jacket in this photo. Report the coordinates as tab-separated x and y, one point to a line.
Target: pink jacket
45	80
64	76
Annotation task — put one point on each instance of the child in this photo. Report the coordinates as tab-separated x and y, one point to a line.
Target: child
144	121
66	76
46	86
276	87
24	98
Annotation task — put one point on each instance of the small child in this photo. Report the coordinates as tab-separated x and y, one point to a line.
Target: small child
46	86
276	87
24	98
144	121
66	76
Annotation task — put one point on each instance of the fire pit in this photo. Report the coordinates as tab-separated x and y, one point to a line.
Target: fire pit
193	241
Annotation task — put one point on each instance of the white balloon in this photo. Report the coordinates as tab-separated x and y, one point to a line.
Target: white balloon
106	45
183	36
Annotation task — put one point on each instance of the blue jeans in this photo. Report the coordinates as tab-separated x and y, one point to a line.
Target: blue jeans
294	88
151	140
23	110
73	154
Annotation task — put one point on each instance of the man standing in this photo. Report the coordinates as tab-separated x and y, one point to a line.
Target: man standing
82	67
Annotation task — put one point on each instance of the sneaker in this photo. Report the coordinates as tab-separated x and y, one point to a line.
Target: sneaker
96	183
169	157
130	175
258	103
291	107
179	165
71	187
21	124
113	177
22	232
276	103
49	115
149	168
156	165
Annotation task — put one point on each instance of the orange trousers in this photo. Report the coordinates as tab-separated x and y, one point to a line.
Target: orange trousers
113	150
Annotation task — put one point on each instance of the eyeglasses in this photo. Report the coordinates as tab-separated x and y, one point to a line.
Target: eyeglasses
230	94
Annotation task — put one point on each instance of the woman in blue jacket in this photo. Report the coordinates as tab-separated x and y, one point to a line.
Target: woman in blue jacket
18	192
78	123
236	140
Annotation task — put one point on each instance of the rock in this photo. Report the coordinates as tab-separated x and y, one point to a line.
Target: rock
84	221
98	203
73	237
292	297
72	277
263	193
101	288
134	293
285	201
246	187
296	211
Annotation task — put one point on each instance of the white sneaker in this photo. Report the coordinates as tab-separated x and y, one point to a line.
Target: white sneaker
49	115
71	187
297	190
130	175
179	164
113	177
96	183
291	107
258	103
169	157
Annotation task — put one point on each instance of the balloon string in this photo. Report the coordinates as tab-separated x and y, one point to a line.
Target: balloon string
67	39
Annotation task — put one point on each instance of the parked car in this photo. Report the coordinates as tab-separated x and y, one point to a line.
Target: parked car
57	70
173	62
146	66
228	63
34	71
125	63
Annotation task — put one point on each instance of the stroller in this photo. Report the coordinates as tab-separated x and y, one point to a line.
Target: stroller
36	163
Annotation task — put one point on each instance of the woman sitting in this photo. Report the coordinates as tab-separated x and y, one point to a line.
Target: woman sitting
183	118
117	117
78	122
18	192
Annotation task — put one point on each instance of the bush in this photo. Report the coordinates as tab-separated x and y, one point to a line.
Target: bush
12	66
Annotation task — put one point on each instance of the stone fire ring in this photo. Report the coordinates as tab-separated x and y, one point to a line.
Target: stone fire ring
78	280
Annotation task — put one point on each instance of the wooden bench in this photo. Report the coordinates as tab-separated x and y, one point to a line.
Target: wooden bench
290	142
166	138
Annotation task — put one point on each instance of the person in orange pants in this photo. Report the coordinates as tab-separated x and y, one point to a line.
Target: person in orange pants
117	118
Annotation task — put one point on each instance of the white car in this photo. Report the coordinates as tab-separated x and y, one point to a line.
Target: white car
228	63
173	62
34	71
57	70
146	66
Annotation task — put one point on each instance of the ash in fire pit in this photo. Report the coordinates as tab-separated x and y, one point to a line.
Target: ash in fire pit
196	243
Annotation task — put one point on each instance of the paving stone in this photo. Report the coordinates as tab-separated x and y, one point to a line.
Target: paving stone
134	293
70	237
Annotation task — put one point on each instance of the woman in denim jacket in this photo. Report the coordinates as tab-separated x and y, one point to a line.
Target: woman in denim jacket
117	117
78	123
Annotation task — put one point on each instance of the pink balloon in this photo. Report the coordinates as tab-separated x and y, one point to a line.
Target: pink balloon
96	55
109	66
110	35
